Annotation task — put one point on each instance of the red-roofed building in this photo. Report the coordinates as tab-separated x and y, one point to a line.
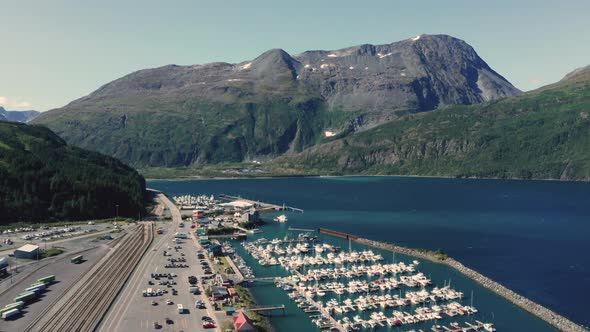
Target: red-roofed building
243	324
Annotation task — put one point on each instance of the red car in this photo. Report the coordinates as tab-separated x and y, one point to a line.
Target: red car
208	325
192	226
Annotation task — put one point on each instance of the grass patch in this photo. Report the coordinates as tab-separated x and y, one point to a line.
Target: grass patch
50	252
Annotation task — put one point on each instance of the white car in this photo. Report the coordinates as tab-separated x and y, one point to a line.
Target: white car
169	302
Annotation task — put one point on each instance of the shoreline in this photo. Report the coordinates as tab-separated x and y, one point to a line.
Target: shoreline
554	319
277	177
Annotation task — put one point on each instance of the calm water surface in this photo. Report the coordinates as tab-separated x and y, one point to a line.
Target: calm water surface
530	236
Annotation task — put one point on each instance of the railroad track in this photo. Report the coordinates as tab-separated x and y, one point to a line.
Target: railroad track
84	305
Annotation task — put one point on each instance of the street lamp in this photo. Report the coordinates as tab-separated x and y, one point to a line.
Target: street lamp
117	215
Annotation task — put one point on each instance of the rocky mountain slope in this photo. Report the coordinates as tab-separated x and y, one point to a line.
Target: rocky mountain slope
542	134
17	116
43	179
273	105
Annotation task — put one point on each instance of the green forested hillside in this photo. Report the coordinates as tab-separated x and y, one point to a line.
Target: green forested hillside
541	134
43	179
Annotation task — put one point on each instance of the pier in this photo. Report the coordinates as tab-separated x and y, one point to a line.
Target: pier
237	271
301	229
268	308
261	205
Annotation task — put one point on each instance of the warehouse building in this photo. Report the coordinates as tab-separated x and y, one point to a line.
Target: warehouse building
29	251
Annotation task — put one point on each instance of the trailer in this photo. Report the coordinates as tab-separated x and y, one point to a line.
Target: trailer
35	284
41	286
47	279
10	313
17	305
3	310
25	297
37	289
77	260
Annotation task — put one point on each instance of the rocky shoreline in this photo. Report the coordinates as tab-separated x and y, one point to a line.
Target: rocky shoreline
556	320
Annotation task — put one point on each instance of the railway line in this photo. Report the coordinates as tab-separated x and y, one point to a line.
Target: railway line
84	305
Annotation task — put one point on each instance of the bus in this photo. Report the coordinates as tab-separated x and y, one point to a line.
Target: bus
77	259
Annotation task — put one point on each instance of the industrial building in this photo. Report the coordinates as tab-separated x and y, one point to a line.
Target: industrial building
29	251
252	215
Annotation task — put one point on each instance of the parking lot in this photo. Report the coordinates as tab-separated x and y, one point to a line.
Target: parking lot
134	310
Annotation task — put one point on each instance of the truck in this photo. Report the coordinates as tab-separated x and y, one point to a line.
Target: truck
10	313
180	308
77	260
47	279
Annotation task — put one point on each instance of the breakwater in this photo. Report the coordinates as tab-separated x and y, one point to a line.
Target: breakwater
551	317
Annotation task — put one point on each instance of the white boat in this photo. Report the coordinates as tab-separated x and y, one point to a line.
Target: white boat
281	218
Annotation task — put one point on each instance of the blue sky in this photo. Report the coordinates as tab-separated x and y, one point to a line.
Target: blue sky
56	51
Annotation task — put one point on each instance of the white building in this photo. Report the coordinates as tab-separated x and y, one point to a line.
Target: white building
29	251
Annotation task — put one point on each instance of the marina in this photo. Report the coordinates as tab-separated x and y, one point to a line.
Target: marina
358	283
490	307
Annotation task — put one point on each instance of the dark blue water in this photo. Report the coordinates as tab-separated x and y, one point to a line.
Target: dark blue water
530	236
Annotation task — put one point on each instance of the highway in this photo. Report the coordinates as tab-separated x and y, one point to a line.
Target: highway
133	312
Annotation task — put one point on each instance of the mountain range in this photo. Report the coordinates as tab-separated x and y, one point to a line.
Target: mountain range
542	134
17	116
428	105
276	104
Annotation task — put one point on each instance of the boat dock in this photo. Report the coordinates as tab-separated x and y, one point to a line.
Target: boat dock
237	271
261	205
268	308
301	229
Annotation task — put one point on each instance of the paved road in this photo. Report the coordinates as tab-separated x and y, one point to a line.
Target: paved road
133	312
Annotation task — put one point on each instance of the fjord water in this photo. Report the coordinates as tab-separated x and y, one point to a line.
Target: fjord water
530	236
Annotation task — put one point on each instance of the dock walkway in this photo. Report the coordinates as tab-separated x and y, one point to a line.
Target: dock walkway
237	271
268	308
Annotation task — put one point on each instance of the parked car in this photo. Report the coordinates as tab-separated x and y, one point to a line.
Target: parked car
208	325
